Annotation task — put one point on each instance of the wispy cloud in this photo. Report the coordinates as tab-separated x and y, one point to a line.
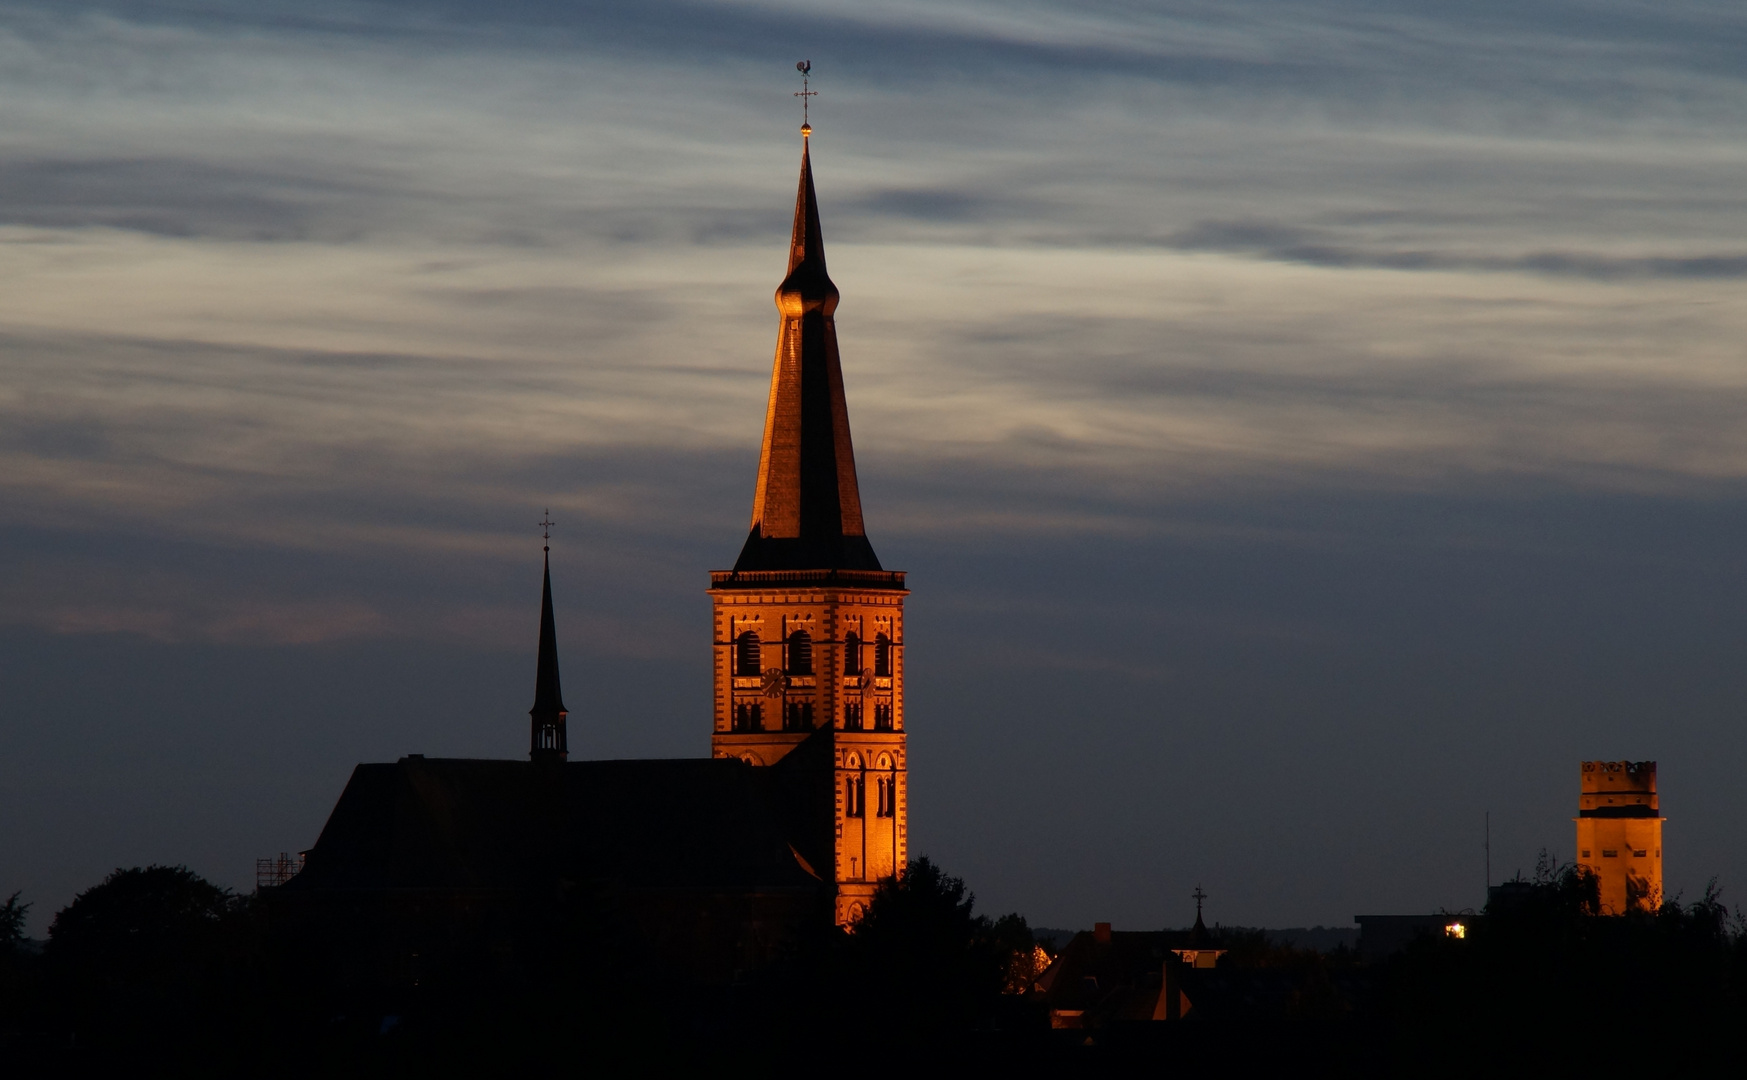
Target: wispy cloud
1294	381
1319	247
314	267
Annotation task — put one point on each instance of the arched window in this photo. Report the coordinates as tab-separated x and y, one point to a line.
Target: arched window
883	657
854	797
746	653
800	653
852	654
882	718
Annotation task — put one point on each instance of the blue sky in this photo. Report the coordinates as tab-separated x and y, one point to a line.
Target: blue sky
1308	426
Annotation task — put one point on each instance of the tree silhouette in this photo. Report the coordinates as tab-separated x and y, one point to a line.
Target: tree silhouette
922	962
12	916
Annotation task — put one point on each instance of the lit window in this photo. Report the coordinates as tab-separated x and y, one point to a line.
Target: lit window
800	653
1456	930
746	654
883	657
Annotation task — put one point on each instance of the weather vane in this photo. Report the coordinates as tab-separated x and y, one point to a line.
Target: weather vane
546	524
805	67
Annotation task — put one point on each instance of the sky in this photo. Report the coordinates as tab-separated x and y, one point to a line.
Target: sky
1311	428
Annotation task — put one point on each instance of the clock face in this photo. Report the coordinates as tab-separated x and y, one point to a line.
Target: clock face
774	681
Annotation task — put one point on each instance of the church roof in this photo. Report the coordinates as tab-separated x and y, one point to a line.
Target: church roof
470	824
806	513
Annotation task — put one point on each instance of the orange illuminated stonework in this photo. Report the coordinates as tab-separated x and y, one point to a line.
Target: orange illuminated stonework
842	701
1619	833
808	627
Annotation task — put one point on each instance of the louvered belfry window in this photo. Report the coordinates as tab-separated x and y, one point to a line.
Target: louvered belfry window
746	658
800	653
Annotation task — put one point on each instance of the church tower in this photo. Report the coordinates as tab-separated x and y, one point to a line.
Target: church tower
809	629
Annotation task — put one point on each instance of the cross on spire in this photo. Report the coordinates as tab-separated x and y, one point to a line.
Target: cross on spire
1198	896
805	67
546	524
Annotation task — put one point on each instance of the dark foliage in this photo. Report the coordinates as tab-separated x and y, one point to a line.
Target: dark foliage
151	957
156	969
12	916
922	963
1543	975
139	922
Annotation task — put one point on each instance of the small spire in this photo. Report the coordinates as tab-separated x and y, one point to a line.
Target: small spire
547	742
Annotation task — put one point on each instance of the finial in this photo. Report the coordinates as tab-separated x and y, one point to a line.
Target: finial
805	67
546	524
1198	896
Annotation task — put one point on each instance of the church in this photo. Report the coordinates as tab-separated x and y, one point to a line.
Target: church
718	863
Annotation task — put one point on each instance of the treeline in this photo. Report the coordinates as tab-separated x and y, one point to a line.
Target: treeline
157	967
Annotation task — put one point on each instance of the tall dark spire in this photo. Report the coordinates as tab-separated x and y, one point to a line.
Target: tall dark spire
806	514
548	740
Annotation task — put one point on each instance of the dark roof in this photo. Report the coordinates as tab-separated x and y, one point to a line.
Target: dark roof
1090	972
448	823
806	512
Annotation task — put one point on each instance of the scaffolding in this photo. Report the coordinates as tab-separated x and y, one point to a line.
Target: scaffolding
271	873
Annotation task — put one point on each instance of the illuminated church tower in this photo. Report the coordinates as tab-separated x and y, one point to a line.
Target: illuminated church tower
809	630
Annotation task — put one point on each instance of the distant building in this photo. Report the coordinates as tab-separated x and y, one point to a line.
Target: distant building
717	864
1619	833
1382	936
1105	978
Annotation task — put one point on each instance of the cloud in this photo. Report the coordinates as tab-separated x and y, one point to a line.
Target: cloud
1286	243
170	197
1293	383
